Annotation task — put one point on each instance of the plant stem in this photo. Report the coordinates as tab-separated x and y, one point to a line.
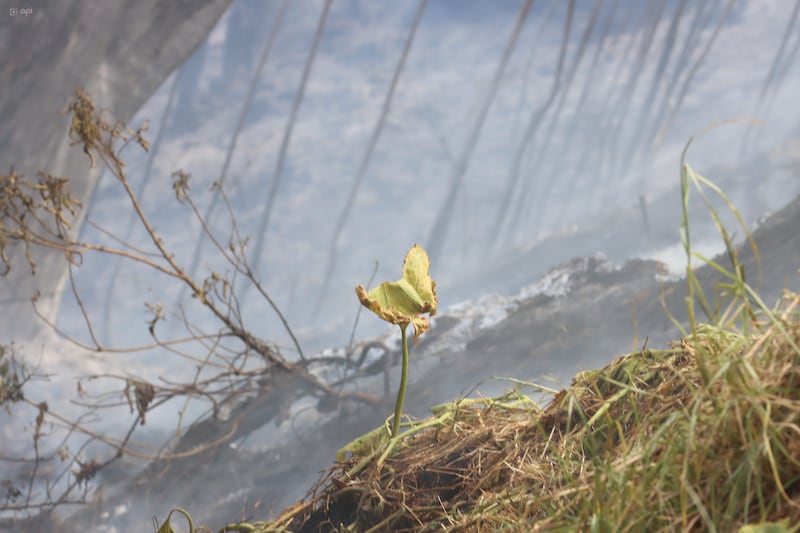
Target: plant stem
401	394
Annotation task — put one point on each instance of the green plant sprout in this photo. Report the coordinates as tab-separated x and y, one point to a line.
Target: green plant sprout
403	302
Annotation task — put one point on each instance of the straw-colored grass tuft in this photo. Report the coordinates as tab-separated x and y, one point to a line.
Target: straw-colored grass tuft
648	443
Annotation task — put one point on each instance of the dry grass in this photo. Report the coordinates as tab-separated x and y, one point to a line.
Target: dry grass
649	443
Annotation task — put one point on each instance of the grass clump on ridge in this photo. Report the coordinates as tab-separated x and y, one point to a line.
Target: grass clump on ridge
703	436
645	444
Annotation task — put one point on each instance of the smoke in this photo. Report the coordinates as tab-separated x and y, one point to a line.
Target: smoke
481	130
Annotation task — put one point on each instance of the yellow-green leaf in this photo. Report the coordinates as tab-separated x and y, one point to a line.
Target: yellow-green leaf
767	527
404	301
416	271
166	527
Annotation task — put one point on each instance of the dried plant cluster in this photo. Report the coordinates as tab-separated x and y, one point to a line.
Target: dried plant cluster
228	362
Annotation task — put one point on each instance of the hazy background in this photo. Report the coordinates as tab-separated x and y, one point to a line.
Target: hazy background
576	130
